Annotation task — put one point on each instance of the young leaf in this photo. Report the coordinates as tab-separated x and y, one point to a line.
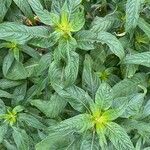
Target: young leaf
113	43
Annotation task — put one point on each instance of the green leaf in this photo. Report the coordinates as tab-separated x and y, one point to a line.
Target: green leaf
30	67
138	144
52	141
46	42
132	13
4	6
77	97
3	131
63	70
30	51
73	4
144	26
129	86
68	6
19	94
18	109
147	148
138	59
51	108
2	107
134	105
16	53
77	124
56	75
129	70
37	88
115	113
113	43
71	69
13	69
5	94
25	8
21	138
31	121
8	145
38	67
18	33
8	60
77	20
43	64
85	39
90	82
102	137
89	142
16	72
64	47
118	137
102	23
142	127
45	16
146	110
57	6
104	96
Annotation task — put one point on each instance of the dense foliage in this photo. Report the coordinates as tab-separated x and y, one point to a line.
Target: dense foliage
74	74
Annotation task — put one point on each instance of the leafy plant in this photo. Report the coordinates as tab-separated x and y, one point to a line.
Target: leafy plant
74	74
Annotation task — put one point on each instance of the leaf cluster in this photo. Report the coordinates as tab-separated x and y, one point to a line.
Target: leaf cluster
74	75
